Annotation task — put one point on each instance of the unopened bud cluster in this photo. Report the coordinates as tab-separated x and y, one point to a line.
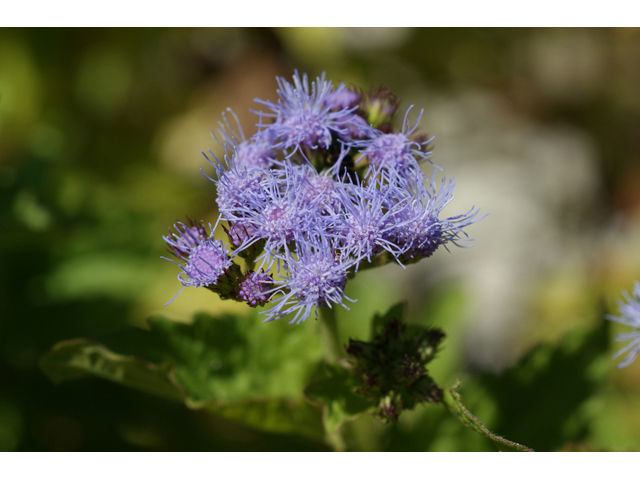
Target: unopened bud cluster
326	187
393	368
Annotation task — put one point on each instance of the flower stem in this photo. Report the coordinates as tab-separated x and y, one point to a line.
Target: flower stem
333	349
333	352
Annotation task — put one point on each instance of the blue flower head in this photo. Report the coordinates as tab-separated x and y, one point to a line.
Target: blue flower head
257	152
319	191
305	115
315	277
395	153
204	259
236	184
282	209
630	315
419	230
368	224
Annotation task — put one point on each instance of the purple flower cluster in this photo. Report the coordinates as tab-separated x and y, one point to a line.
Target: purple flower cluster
325	188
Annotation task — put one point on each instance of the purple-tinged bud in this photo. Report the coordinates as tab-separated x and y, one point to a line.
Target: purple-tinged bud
254	289
379	107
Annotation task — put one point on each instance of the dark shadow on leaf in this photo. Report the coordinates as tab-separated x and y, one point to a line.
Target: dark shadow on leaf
539	399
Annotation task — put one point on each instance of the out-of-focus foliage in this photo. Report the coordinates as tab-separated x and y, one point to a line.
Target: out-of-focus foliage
214	364
100	139
553	385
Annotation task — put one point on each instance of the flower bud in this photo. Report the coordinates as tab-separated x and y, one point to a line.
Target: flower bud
393	370
379	107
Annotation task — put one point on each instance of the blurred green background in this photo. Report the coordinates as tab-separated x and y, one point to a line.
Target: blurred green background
100	138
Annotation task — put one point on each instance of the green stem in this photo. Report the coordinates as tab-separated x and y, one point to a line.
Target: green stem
333	348
453	403
333	351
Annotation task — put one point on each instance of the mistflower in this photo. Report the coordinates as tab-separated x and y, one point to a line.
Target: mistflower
367	226
395	153
318	190
240	232
236	185
187	239
279	213
205	259
257	152
314	278
630	315
255	288
304	116
294	195
418	229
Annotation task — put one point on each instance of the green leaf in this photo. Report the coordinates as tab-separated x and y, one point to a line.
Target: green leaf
239	368
228	358
453	402
275	415
336	392
543	400
72	359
